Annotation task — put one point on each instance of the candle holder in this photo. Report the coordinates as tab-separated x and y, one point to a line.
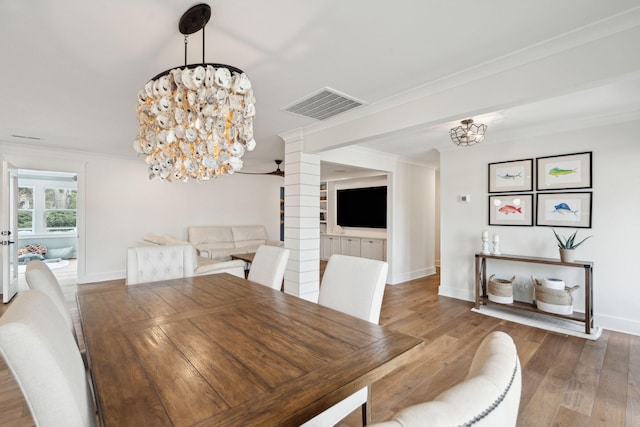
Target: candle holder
496	248
485	245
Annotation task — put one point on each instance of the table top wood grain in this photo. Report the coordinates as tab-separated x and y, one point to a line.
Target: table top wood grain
223	351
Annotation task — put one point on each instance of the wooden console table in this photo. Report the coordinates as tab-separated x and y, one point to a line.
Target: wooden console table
482	295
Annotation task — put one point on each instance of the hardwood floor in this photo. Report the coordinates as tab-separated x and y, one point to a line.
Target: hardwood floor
567	381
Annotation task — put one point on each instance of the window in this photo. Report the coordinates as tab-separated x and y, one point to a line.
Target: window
25	209
47	204
60	209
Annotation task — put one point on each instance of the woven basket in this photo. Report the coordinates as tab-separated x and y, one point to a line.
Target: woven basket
501	290
558	301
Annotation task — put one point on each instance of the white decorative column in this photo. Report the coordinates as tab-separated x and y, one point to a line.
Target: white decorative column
301	218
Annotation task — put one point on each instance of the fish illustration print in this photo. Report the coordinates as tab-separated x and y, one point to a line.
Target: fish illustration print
563	208
559	172
508	176
508	209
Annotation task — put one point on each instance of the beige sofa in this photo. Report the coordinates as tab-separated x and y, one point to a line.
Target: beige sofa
218	243
201	265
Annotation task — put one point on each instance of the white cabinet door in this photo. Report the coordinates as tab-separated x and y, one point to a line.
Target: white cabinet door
329	245
350	246
372	248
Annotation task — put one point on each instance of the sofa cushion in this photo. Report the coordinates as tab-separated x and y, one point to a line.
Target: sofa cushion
220	254
211	237
55	253
24	259
249	235
170	240
247	249
153	239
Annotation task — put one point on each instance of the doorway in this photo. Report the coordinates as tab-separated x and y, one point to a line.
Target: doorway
48	223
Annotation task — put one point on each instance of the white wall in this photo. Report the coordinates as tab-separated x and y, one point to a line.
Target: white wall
413	232
615	226
121	204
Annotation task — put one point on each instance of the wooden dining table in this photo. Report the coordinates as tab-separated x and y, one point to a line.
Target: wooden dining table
219	350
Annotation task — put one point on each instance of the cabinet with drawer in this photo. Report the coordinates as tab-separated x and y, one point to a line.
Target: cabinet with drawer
372	248
365	247
329	245
350	246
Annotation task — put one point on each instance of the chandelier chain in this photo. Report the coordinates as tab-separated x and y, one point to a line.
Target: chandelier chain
186	42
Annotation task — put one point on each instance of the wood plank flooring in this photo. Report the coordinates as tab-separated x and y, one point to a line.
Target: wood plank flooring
567	381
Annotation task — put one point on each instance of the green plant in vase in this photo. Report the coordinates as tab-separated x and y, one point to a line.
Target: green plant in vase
568	245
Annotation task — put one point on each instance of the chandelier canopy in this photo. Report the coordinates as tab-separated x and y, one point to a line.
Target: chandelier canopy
468	134
196	121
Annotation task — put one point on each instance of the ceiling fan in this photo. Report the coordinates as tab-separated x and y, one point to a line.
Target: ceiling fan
276	172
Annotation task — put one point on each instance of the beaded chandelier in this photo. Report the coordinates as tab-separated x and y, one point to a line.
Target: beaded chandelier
196	121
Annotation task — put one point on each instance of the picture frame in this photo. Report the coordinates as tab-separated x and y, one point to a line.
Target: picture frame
511	209
572	209
564	172
511	176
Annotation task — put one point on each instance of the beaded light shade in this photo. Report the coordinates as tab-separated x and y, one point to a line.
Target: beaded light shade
196	122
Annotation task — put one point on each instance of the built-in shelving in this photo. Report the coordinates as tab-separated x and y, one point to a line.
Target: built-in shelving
323	207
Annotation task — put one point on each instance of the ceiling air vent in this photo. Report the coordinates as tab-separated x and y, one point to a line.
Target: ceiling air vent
323	104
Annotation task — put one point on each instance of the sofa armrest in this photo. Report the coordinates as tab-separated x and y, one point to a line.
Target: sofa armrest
207	266
203	251
274	243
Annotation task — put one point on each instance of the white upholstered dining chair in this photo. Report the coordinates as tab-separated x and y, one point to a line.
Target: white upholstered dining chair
46	362
268	266
154	263
40	277
489	395
353	286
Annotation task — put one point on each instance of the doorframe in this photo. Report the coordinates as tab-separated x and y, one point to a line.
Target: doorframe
43	162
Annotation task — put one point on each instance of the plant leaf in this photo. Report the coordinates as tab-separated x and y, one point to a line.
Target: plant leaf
561	244
581	242
568	243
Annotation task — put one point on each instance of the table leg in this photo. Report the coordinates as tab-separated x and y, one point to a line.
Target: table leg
247	266
479	286
588	299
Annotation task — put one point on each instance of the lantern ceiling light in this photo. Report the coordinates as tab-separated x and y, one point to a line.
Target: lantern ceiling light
196	121
468	133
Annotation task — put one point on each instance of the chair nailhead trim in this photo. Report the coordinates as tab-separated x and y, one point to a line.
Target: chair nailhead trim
496	403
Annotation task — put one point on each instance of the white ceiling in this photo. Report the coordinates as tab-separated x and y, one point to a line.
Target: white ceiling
72	68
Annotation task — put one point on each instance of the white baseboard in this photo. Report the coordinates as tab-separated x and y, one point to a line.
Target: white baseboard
405	277
457	293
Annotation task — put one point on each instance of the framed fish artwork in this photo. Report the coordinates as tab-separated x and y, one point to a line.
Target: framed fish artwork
511	209
514	175
564	172
564	209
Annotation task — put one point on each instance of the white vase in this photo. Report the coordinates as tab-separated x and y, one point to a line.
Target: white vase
567	255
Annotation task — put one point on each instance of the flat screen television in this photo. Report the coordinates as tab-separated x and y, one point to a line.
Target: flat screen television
362	207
